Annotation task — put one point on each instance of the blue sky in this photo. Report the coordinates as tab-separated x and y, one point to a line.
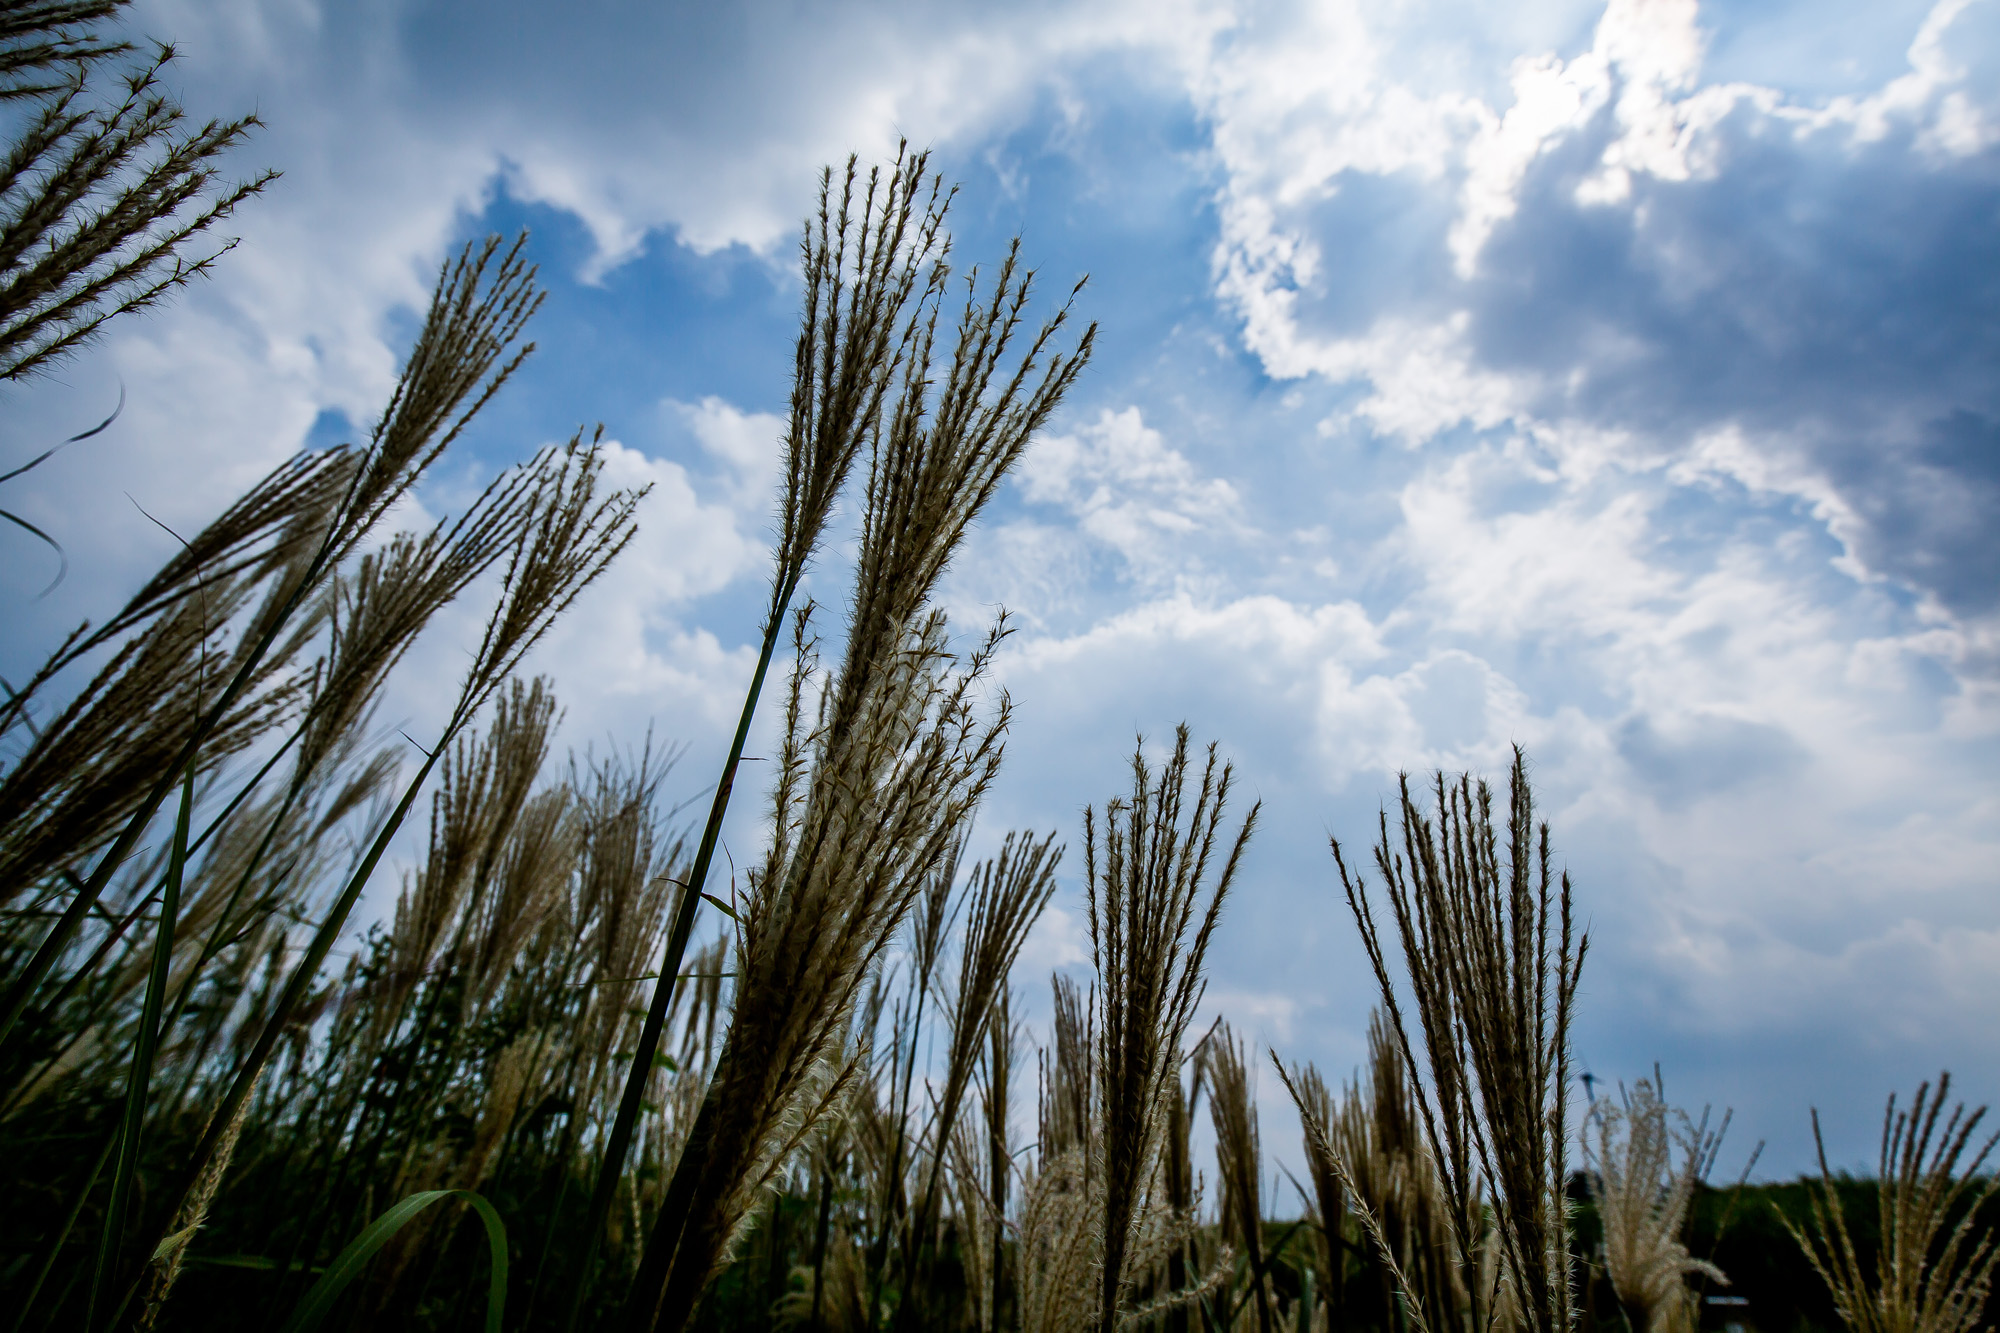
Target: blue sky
1614	379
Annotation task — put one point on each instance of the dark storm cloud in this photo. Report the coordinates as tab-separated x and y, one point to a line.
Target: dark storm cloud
1838	303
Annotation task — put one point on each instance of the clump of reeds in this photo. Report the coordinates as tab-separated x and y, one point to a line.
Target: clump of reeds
181	976
1145	874
1008	895
884	761
1934	1269
1492	963
1642	1195
1366	1153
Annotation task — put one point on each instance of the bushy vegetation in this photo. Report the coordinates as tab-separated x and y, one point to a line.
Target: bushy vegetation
531	1098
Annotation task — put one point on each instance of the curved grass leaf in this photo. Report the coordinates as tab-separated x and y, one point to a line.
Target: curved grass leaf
312	1311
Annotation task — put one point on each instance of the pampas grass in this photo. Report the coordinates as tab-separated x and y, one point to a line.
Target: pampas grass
1492	962
881	770
1144	877
1935	1267
1642	1195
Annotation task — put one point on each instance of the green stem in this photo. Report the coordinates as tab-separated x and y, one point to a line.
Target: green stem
143	1053
612	1167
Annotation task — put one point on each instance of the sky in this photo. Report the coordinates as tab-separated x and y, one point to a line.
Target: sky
1617	380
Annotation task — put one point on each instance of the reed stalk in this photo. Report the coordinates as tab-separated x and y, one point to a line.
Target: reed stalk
873	258
1492	960
1144	878
1934	1270
1642	1197
879	775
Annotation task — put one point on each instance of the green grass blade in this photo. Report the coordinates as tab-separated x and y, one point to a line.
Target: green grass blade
144	1051
318	1302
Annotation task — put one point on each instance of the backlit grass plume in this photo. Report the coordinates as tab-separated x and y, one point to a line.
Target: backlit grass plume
105	190
1239	1164
1642	1194
884	761
1147	869
872	261
1934	1269
1007	896
1492	962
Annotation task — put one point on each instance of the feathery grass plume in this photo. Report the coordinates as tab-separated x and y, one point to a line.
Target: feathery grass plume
863	820
1935	1267
1493	961
569	539
1008	894
1239	1161
103	199
473	320
477	314
1143	884
42	40
996	1071
483	785
1383	1169
1177	1186
936	909
376	614
832	1159
167	1260
1327	1204
1060	1251
269	529
853	836
93	765
868	268
1642	1196
965	1230
1068	1080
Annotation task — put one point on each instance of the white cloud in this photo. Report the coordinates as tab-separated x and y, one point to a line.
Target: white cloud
1771	777
1128	490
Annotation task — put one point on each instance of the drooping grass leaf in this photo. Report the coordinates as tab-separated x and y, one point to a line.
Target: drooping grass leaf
318	1302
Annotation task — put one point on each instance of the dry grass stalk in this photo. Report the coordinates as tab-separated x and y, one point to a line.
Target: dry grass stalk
1493	962
1144	882
876	788
570	536
102	199
1642	1196
863	820
1002	1048
1376	1132
869	269
1068	1077
92	766
166	1263
1935	1267
1327	1204
1060	1248
1239	1162
472	322
1008	894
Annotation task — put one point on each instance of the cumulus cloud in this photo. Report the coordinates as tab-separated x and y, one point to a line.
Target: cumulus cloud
1650	349
1651	259
1126	489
